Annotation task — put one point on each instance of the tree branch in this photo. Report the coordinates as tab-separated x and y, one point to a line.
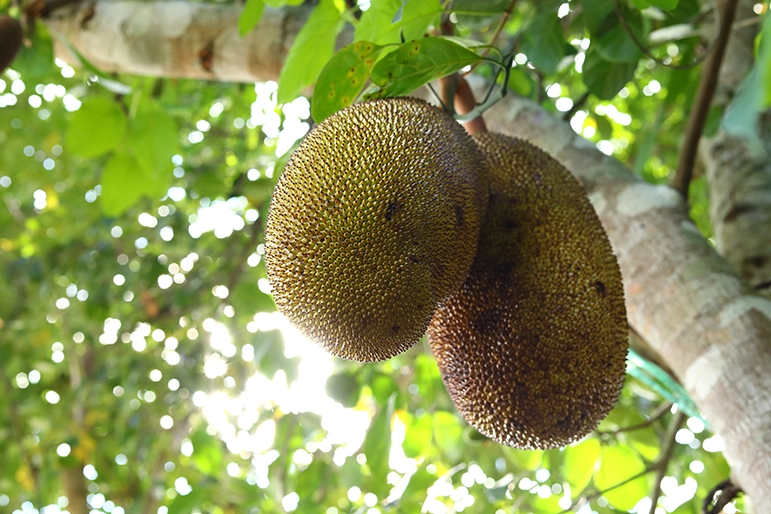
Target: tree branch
655	416
666	455
703	101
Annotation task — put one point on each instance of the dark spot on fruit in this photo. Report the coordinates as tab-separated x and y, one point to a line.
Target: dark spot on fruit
366	321
487	323
537	176
391	210
414	259
509	224
395	329
458	215
600	287
504	269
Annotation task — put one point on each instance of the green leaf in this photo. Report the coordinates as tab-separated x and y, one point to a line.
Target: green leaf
618	464
548	505
544	42
313	47
578	465
258	191
377	448
343	78
529	460
417	16
247	298
269	354
614	44
207	453
152	137
310	479
96	128
417	62
417	440
376	21
595	12
605	79
604	126
250	16
344	389
185	504
123	183
415	493
448	434
667	5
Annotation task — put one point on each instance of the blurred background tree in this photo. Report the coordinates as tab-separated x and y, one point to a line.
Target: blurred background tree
143	368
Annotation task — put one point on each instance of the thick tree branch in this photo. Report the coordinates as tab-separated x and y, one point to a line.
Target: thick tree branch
703	101
740	183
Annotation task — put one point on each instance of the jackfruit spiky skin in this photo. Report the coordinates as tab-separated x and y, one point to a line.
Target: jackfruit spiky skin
10	40
532	347
374	223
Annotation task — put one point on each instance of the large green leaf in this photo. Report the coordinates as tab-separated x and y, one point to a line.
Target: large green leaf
343	78
417	440
417	16
417	62
375	22
207	453
619	463
578	465
377	448
605	79
448	434
544	42
250	16
613	42
97	127
313	47
344	388
123	183
152	136
667	5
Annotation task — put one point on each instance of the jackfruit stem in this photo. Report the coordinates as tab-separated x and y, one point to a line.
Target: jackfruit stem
458	99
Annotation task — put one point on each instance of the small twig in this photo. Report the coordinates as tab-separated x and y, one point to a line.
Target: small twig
646	51
502	23
703	101
597	494
577	105
655	416
728	491
666	455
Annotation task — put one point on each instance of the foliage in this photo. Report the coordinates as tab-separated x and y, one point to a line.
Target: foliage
141	362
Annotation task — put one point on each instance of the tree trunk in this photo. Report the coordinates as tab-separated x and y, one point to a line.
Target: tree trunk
707	324
740	183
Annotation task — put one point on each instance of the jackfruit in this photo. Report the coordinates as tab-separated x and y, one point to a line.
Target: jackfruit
10	40
373	224
532	347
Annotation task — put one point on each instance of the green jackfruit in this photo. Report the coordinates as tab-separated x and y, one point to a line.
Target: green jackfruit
532	347
373	224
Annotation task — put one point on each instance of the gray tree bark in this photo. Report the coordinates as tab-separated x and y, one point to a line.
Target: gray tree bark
707	323
740	183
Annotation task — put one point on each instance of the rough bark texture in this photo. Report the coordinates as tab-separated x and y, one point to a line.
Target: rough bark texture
740	184
707	324
176	39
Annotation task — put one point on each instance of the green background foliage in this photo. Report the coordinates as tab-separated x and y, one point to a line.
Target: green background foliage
142	365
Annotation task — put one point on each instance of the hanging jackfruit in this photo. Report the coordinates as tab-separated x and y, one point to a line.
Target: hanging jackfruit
373	224
532	347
